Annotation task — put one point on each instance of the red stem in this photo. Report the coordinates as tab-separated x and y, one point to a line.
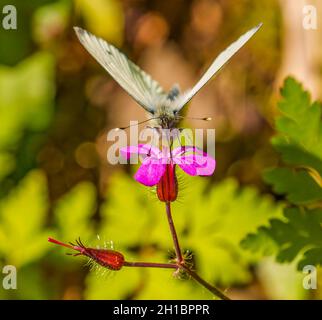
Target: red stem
205	284
150	265
174	233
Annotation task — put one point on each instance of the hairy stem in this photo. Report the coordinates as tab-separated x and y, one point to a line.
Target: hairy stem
150	265
192	274
174	234
204	283
180	260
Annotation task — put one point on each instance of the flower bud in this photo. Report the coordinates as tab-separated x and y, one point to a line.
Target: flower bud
167	187
109	259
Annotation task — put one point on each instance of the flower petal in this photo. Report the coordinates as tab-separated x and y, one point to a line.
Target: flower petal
150	172
206	166
194	164
187	149
144	149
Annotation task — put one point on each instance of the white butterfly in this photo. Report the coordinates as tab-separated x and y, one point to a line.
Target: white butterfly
141	87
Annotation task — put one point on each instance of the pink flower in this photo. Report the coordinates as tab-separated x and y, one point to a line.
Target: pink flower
190	159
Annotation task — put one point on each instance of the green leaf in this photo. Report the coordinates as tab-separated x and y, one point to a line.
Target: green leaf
301	230
26	108
32	108
227	214
7	164
299	141
298	235
298	185
300	121
74	211
23	217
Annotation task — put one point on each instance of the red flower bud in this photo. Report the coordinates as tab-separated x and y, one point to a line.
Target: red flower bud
110	259
167	187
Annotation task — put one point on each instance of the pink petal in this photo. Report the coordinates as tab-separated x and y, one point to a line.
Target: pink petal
150	172
190	169
194	164
187	149
177	151
207	166
143	149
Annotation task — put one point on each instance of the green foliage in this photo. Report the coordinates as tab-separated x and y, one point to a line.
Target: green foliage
53	16
297	185
22	232
210	223
299	141
26	114
103	17
74	210
32	108
16	44
26	108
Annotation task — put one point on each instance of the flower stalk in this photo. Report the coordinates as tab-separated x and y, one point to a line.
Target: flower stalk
174	235
204	283
150	265
181	263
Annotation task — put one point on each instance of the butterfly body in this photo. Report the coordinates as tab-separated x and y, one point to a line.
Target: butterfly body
161	106
165	115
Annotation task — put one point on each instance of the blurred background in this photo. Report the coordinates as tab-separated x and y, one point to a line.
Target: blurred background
57	105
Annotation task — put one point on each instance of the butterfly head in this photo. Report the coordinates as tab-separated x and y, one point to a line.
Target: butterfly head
166	116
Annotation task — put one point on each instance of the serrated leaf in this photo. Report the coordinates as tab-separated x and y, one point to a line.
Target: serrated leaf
299	141
297	234
298	185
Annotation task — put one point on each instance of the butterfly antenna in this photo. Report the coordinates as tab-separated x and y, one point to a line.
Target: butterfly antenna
136	124
192	118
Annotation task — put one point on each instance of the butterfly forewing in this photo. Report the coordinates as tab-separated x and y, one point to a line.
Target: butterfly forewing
128	75
218	63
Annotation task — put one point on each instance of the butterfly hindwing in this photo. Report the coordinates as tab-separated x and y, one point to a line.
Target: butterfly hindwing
128	75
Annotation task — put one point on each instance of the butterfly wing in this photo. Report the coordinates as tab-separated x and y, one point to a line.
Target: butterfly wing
138	84
218	63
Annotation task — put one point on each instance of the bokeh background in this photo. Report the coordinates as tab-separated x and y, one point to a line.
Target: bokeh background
57	105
